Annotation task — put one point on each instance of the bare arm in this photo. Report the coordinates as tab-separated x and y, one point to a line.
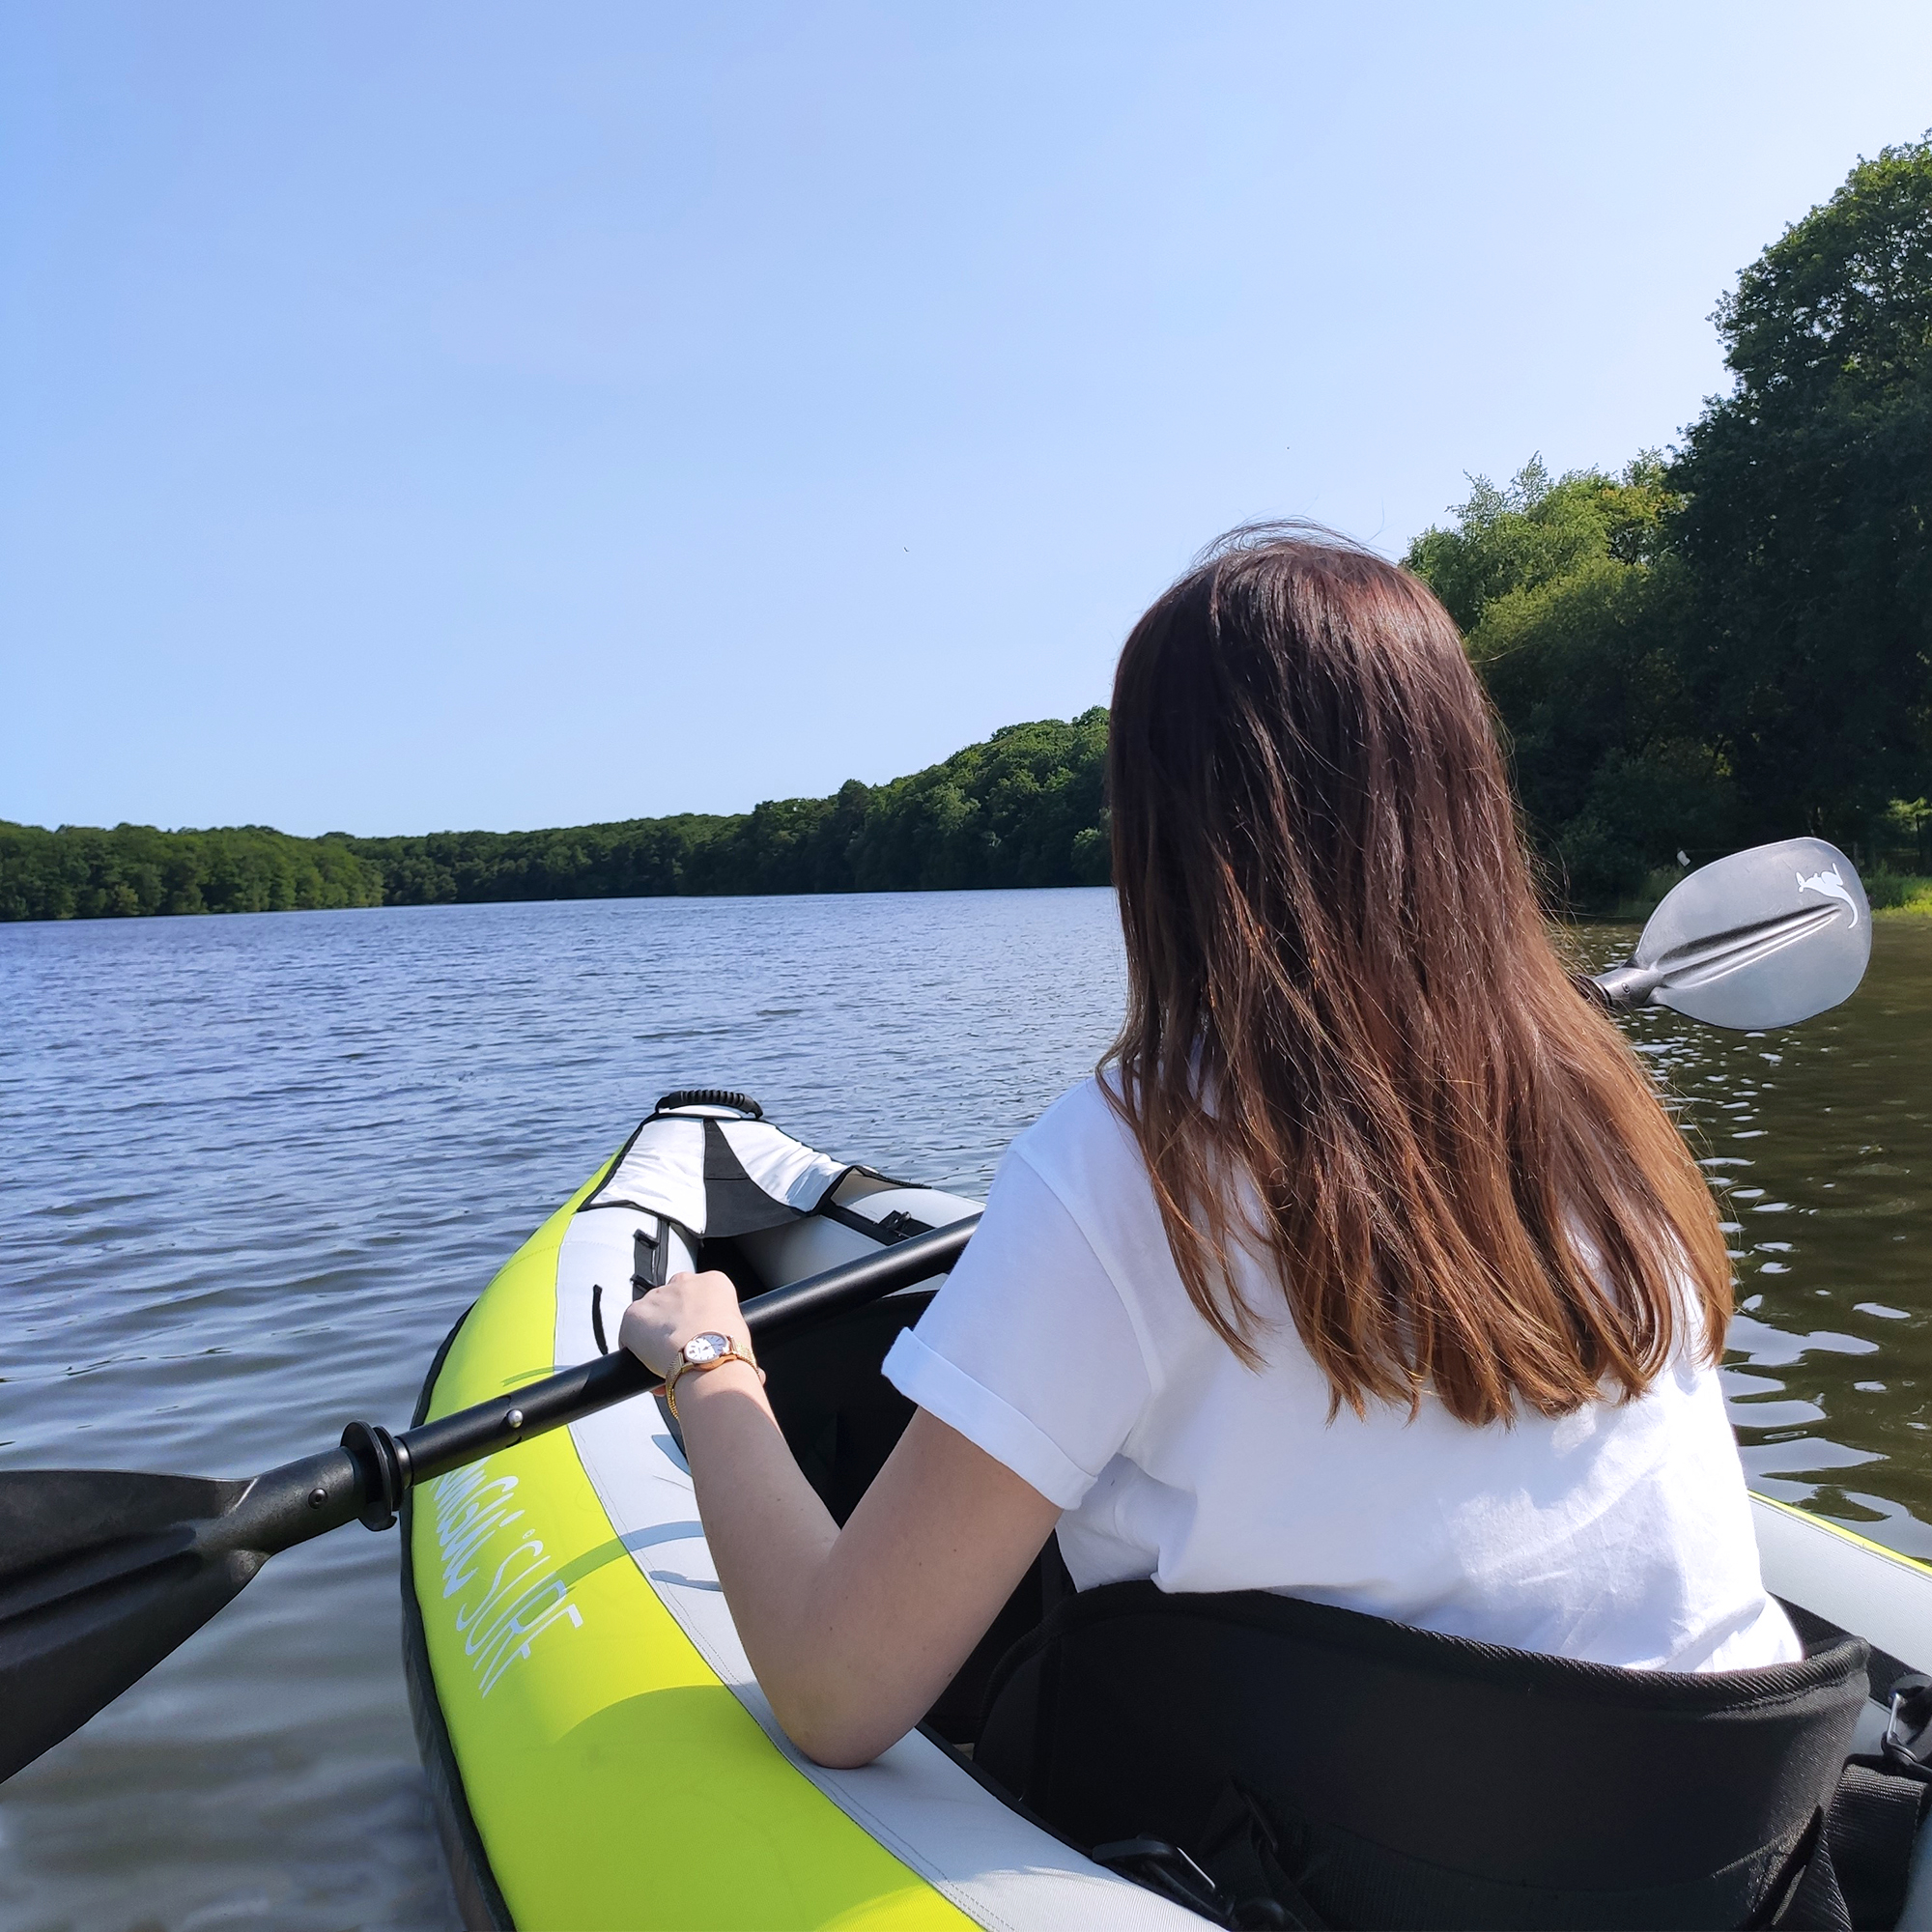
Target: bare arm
852	1633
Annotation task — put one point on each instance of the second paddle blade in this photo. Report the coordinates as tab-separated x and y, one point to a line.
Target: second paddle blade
1765	938
101	1575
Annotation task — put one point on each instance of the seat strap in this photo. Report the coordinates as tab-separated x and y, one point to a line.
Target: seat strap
1241	1853
1811	1900
1874	1822
1856	1876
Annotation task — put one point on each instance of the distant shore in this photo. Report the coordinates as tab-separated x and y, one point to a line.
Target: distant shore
1023	807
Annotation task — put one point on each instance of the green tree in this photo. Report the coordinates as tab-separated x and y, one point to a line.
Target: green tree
81	871
1810	492
1008	812
1573	609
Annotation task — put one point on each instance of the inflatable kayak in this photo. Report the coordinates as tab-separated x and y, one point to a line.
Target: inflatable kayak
598	1750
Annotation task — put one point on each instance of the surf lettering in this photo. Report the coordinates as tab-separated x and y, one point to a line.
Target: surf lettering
475	1512
531	1550
562	1607
466	1521
485	1632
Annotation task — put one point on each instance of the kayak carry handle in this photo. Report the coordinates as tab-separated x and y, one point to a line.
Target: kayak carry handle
708	1096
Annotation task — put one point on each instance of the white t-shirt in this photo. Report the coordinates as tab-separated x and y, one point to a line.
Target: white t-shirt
1065	1347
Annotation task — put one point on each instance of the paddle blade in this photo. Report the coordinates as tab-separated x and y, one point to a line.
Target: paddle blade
1765	938
101	1575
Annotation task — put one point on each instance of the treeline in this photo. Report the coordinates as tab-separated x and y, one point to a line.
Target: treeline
81	872
1691	655
1736	645
1023	809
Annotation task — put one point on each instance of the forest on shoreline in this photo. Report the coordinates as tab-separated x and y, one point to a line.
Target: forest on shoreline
1022	809
1690	654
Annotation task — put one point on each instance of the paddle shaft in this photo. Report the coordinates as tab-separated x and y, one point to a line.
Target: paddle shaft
372	1470
371	1473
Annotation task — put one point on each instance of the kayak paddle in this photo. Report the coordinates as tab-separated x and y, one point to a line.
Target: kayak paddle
102	1572
1765	938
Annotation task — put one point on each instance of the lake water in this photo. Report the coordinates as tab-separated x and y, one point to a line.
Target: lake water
254	1167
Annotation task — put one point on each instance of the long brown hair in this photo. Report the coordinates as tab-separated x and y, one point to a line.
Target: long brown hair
1349	1043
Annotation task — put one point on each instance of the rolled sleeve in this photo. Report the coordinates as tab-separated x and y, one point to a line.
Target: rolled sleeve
1007	1435
1027	1349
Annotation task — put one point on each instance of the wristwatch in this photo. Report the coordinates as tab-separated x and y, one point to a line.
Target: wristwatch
708	1351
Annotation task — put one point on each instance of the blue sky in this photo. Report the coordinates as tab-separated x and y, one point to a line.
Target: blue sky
499	415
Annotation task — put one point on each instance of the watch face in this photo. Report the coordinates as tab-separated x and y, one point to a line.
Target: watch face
702	1348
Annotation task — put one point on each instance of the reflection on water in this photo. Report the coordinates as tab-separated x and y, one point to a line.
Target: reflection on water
1819	1139
255	1166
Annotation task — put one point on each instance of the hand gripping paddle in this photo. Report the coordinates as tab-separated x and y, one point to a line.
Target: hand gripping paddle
103	1572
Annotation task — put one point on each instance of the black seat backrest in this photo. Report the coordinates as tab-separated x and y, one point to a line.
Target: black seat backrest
1410	1780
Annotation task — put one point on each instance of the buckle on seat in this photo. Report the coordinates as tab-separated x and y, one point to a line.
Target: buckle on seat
1162	1868
1168	1871
1907	1729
